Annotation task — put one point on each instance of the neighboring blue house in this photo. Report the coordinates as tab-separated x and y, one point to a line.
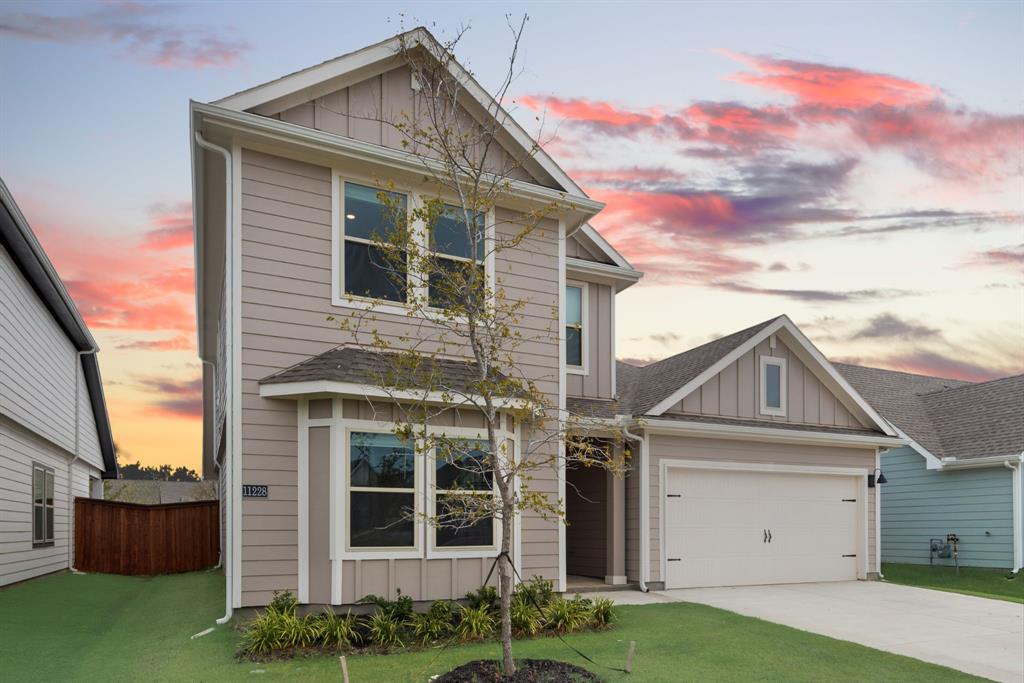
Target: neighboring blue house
962	472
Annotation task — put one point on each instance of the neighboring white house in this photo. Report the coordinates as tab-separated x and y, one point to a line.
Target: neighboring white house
55	441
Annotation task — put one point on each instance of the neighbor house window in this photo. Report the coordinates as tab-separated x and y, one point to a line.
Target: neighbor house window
382	491
575	300
464	472
42	505
368	222
773	386
454	256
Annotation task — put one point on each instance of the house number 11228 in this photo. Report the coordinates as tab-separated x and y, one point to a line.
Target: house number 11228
254	490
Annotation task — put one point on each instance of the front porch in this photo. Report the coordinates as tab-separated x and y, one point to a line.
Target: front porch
595	535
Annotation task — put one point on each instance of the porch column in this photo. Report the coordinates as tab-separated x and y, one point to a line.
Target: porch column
615	571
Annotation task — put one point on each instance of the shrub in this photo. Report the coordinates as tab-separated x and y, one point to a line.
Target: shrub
284	603
539	590
486	597
262	635
565	616
434	624
338	631
385	630
475	623
601	614
400	608
526	620
298	631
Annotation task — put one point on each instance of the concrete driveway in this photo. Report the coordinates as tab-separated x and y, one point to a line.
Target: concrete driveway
977	635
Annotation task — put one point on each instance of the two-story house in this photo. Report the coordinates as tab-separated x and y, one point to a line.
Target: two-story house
719	436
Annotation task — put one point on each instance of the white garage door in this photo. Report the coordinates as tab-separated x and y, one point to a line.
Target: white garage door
735	527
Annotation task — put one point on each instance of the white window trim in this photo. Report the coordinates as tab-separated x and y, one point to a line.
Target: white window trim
414	200
765	409
584	368
450	552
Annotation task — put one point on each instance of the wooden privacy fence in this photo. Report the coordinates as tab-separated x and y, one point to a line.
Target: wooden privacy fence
143	540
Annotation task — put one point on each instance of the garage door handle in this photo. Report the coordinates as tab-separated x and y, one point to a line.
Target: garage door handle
675	559
769	535
854	555
675	495
765	536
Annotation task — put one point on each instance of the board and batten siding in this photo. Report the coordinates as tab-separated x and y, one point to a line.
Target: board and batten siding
19	450
724	450
919	504
286	300
597	383
735	392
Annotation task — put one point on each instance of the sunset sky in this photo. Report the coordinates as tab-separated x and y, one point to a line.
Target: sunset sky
859	167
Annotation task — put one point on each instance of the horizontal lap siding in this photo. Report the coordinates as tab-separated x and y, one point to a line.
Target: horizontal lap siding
286	299
919	504
691	448
735	392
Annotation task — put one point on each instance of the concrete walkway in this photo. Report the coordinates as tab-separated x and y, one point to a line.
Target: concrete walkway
977	635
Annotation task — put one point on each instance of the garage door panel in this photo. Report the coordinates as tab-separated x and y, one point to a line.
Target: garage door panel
715	521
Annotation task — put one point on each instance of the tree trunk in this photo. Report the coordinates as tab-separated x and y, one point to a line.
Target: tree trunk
505	586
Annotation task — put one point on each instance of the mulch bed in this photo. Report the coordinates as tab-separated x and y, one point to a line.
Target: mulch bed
527	671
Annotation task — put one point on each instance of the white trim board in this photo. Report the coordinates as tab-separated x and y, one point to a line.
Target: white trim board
777	434
807	353
325	387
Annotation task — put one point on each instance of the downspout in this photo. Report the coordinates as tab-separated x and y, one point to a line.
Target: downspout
1018	513
229	577
71	463
645	511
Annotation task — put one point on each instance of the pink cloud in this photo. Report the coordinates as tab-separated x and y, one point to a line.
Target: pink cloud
172	226
178	343
144	31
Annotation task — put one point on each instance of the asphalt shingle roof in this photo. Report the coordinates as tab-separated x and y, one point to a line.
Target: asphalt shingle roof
950	418
643	388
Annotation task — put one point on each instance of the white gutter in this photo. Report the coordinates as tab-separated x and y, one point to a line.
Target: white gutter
966	463
229	577
645	511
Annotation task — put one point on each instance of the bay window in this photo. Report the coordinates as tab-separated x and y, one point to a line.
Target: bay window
368	221
382	491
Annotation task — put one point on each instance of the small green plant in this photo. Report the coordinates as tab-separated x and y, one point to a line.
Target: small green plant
566	616
298	631
284	602
262	635
538	590
486	597
601	614
385	630
475	623
337	631
434	624
526	620
400	608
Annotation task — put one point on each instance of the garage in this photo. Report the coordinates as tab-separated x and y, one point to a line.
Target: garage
744	525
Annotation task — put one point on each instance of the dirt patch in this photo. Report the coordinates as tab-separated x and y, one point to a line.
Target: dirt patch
527	671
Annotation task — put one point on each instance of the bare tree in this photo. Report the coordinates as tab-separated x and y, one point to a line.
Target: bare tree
466	334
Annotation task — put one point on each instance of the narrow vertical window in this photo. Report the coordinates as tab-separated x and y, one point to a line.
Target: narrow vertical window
42	506
773	386
382	491
368	221
574	326
452	243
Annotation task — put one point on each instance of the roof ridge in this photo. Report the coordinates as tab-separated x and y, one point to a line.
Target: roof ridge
903	372
970	385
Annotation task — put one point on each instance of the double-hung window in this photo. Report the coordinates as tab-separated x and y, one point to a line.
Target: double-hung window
42	505
773	386
574	348
452	243
382	491
461	475
370	270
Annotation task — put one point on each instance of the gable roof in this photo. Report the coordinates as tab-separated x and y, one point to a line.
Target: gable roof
948	419
653	389
17	237
306	84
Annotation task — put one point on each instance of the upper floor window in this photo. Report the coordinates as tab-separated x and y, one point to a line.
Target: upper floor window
368	270
42	505
773	386
575	329
452	243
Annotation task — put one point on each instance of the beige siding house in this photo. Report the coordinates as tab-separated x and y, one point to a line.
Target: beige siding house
55	442
273	168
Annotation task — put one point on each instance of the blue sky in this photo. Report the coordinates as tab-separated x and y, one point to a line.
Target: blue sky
735	219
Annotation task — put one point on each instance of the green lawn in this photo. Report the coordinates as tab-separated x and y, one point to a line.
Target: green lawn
111	628
987	583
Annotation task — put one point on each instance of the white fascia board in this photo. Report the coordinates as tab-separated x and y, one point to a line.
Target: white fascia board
603	273
987	461
781	323
334	145
931	461
305	389
745	433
